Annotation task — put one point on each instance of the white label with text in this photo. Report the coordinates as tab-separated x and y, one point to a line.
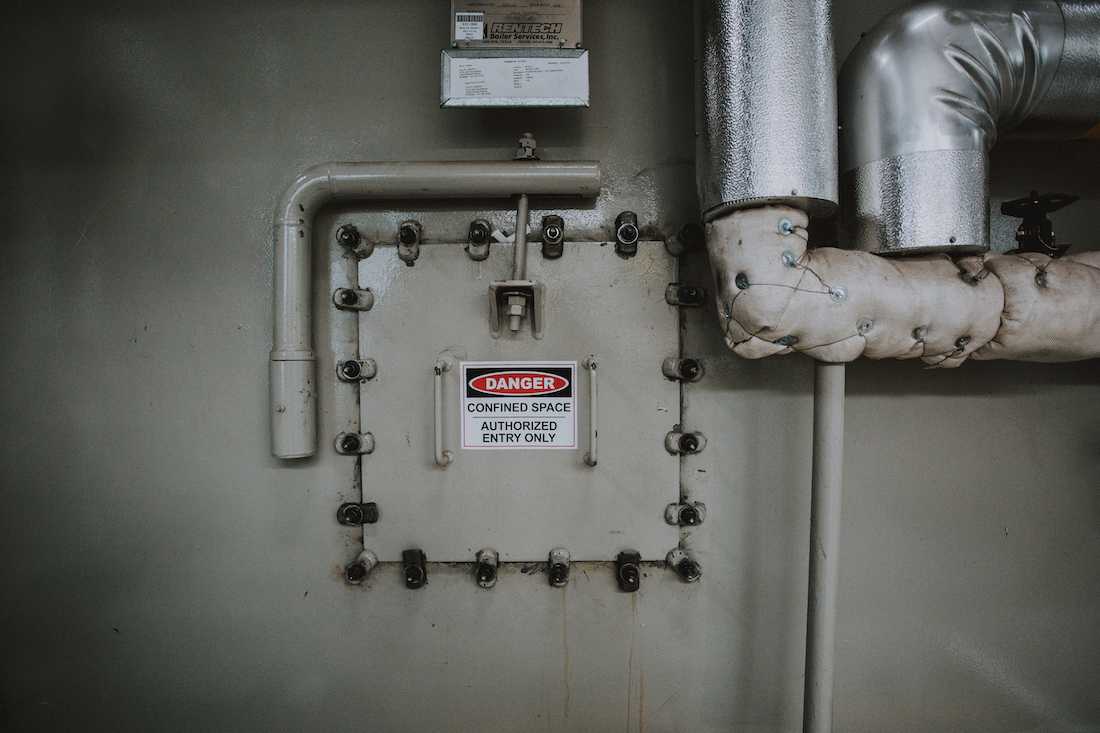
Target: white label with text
527	405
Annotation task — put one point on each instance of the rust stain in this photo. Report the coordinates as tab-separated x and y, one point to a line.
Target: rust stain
566	672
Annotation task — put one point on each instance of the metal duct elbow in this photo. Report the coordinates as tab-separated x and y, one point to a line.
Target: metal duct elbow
767	105
923	97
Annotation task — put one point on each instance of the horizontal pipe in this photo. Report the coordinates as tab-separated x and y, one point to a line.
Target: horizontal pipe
293	383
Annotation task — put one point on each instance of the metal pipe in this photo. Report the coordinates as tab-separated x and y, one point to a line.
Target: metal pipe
825	509
923	97
443	456
293	383
519	252
767	100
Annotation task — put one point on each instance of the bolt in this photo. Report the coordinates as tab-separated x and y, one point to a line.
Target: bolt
479	232
689	570
690	369
552	233
741	281
355	573
351	370
348	236
786	226
838	293
688	294
629	577
416	573
350	444
628	234
408	233
559	574
352	514
349	297
689	515
486	573
961	342
688	443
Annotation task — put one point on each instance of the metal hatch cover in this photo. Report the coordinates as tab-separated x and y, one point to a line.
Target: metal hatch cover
520	502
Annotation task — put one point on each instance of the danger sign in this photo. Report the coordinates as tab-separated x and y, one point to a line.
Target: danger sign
507	404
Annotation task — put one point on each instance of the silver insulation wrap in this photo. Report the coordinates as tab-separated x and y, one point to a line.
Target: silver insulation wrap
923	97
767	106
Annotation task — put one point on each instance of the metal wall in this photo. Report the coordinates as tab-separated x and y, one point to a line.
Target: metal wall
163	572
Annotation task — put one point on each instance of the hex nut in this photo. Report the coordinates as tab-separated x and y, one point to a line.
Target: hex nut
415	568
690	369
626	234
558	575
356	572
689	515
689	570
408	233
354	514
628	571
479	232
348	236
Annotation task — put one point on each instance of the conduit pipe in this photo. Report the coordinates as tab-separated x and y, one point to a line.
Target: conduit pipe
924	96
825	510
293	379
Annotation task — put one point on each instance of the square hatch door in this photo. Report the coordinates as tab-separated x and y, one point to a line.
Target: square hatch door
516	410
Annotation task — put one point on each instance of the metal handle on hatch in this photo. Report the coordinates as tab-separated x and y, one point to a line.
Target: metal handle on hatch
592	456
443	457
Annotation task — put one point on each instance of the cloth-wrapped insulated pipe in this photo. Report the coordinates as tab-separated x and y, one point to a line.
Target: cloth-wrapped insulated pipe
775	296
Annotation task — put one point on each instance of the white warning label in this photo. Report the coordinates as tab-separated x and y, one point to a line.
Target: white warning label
507	404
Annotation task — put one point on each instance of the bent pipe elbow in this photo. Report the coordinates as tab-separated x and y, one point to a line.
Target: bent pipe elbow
923	97
293	372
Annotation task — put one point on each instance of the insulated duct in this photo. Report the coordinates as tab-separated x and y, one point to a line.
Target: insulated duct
923	97
778	296
767	106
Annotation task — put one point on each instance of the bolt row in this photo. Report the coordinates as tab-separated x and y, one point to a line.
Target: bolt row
628	568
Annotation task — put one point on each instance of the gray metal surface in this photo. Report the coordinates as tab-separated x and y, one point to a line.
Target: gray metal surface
923	97
521	503
768	106
145	158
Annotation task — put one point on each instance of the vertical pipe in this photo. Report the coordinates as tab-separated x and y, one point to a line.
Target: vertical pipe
825	502
519	253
